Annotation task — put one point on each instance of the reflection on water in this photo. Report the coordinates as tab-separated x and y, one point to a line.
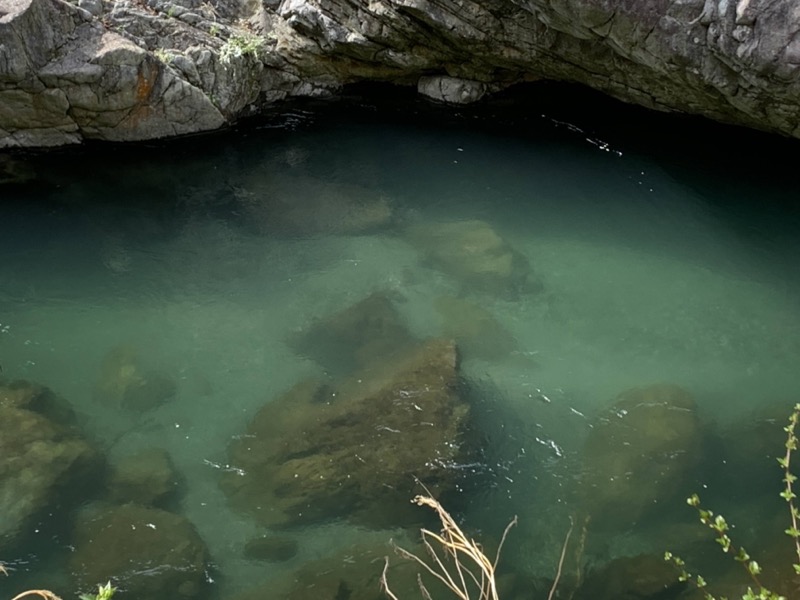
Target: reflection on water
261	348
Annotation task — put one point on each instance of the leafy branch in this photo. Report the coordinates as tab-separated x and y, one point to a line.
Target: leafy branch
719	526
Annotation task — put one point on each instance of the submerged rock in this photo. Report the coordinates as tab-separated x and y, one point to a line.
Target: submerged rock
474	254
352	572
150	554
367	332
124	383
638	455
272	548
357	450
632	578
475	330
36	398
15	171
304	206
45	469
147	478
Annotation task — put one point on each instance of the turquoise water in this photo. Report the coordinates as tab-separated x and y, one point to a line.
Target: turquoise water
651	265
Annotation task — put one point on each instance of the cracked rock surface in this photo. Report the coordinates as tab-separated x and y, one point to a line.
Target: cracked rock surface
141	69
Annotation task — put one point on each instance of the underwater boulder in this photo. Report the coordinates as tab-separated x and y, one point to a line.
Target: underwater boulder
15	170
36	398
367	332
45	469
475	255
475	330
270	548
123	382
148	553
638	455
303	206
355	450
147	478
749	446
353	572
632	578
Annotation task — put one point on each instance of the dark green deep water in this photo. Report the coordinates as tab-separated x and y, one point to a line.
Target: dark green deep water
668	251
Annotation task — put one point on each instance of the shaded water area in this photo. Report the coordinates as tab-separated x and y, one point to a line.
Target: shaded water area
566	311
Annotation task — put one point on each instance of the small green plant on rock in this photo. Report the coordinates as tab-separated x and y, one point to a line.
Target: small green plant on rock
719	526
241	44
164	55
104	592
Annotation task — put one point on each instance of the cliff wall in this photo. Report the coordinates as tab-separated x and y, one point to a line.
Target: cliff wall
142	69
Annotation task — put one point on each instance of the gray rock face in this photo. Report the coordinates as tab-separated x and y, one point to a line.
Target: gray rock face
132	70
451	89
731	61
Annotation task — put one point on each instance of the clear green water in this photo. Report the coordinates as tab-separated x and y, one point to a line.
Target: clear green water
656	267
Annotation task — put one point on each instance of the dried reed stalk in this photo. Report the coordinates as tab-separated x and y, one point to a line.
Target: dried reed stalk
47	595
468	569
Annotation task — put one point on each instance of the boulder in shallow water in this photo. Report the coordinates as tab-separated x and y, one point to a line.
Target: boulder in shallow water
367	332
474	254
148	553
45	469
148	478
632	578
351	572
638	455
303	206
271	548
354	450
124	383
36	398
475	330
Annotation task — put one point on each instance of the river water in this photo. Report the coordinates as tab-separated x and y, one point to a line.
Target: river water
657	251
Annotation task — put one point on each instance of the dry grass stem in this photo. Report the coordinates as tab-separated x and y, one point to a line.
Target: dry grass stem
463	568
561	560
47	595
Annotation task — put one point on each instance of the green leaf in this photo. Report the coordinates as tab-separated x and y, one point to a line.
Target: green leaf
742	556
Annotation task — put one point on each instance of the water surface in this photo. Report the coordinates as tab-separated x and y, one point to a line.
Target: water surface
656	264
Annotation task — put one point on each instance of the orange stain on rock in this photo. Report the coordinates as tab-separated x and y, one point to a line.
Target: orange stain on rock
146	77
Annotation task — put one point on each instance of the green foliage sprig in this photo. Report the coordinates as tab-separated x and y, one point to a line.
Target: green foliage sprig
788	494
719	526
104	592
241	44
